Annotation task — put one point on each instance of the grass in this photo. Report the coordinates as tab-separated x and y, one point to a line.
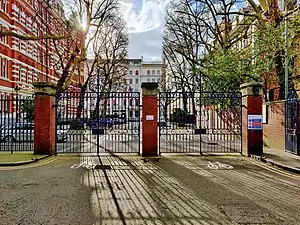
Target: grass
7	157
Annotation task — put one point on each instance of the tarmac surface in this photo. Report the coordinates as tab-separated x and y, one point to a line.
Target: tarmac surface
125	189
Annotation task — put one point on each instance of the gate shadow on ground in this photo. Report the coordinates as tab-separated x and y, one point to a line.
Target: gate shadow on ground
247	194
184	192
133	192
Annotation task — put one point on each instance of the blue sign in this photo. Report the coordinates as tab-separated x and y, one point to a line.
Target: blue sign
254	122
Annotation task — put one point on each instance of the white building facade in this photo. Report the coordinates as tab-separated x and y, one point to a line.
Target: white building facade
143	71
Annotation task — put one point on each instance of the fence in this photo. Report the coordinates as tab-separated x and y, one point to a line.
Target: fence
94	122
16	122
200	122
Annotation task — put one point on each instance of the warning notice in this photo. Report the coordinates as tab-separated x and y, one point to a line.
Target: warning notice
254	122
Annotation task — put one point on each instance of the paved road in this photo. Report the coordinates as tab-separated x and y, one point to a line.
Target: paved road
175	190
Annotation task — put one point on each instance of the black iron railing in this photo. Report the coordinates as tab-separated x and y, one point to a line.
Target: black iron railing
98	122
16	122
197	122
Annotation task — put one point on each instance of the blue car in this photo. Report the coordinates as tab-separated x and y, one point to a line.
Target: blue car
101	122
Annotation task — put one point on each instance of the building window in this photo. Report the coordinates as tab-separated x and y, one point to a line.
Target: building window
158	72
20	72
4	5
26	75
148	79
3	39
32	76
20	15
153	72
136	80
130	72
130	81
3	67
148	72
26	20
153	80
26	47
20	45
158	80
136	72
37	29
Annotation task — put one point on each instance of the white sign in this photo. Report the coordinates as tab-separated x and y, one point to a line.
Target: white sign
149	117
254	122
264	113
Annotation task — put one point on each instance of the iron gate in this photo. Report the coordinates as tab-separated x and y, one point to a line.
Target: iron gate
16	123
291	123
98	122
200	122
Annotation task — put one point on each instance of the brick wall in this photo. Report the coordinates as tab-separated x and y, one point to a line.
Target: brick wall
273	130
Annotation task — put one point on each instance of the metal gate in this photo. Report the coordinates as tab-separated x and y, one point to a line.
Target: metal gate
98	122
16	123
200	122
291	123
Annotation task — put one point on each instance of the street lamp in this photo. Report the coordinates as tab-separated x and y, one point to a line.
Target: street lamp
17	89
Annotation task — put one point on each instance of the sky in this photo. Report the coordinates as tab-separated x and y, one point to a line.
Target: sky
145	21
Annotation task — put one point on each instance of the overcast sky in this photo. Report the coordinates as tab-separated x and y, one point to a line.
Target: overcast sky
145	20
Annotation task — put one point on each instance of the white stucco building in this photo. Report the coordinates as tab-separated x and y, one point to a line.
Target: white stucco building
143	71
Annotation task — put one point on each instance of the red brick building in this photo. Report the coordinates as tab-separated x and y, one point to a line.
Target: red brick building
24	62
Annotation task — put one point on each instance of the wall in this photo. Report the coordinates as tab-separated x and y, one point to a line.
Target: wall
273	130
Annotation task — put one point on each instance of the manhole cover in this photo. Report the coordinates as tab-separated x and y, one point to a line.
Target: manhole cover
247	214
102	167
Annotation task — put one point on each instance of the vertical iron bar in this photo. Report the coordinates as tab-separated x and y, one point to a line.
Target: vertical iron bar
98	105
200	109
241	121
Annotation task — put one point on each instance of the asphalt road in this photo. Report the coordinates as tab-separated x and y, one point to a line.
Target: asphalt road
126	190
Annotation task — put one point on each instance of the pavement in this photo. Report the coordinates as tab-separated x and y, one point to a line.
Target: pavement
282	157
19	158
125	189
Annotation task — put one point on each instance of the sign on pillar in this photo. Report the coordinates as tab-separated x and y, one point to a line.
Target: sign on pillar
149	119
252	129
254	122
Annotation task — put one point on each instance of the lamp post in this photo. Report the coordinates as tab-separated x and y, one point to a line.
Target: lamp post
17	89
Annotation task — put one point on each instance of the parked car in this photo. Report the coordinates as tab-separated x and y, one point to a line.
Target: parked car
118	121
24	132
101	122
161	121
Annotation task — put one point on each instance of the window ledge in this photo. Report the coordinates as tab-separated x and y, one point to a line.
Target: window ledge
4	78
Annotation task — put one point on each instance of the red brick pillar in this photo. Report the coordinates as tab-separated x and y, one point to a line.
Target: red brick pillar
44	118
149	119
252	132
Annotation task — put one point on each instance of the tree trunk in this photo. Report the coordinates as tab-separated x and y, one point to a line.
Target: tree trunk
80	106
184	101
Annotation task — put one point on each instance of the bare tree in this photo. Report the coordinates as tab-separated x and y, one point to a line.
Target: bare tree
91	16
67	34
109	62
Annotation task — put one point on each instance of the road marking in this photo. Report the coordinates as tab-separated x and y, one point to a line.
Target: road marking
83	165
34	164
273	169
217	165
